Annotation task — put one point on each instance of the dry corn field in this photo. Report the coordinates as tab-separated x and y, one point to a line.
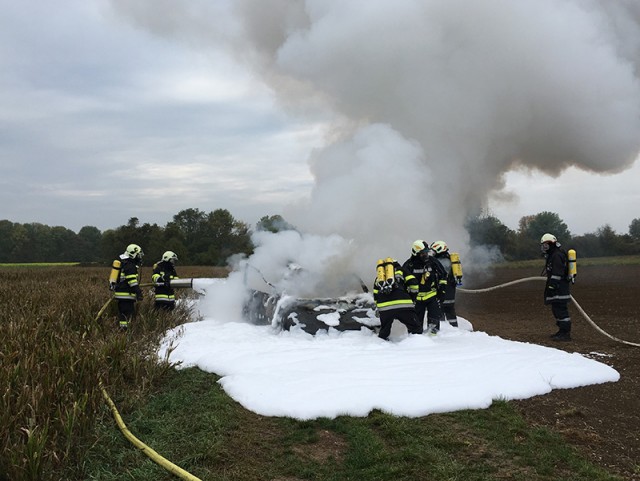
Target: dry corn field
54	352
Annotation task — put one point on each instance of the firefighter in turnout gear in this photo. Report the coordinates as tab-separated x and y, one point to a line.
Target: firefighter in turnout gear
557	291
448	299
127	289
393	299
164	272
428	285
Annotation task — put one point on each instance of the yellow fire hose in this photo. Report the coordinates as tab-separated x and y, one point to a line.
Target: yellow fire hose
575	303
166	464
153	455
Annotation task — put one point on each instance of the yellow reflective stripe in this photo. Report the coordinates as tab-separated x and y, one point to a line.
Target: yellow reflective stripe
124	295
423	296
395	303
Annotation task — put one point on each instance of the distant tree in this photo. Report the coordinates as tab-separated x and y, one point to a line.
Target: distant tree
634	229
63	245
489	231
274	223
21	250
533	227
6	240
89	241
226	236
608	239
587	245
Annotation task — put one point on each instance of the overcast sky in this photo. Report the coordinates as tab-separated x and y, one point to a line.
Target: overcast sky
334	114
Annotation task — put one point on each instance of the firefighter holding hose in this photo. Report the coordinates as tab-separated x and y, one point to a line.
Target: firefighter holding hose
557	288
125	281
164	272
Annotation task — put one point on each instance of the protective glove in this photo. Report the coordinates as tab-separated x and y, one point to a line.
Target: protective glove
167	280
139	295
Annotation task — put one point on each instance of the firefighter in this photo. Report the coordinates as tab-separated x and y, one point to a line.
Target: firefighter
394	301
164	272
557	290
428	285
127	290
448	299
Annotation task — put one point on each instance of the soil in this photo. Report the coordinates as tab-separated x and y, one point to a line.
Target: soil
602	421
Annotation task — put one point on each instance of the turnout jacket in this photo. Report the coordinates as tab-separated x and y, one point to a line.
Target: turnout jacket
397	296
557	272
429	278
128	286
449	294
163	273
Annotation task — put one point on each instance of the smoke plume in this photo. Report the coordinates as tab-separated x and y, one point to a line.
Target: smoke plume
432	101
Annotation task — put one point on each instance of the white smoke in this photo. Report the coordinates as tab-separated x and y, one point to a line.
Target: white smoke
433	100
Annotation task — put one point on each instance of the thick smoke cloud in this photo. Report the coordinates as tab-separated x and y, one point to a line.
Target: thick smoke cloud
432	101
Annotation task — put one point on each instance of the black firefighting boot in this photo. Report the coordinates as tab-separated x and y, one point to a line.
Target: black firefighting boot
433	326
564	331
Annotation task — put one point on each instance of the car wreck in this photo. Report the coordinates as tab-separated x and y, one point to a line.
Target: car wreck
351	311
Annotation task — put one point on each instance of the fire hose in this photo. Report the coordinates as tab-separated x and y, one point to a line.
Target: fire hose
175	284
575	303
153	455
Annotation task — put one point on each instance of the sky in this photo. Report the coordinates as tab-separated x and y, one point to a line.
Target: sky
335	114
294	374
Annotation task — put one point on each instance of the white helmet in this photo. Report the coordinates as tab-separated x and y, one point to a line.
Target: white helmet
550	238
418	246
439	247
169	256
134	251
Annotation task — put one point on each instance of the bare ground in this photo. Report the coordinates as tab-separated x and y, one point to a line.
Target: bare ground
603	421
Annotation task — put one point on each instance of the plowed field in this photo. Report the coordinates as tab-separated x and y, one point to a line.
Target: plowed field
603	421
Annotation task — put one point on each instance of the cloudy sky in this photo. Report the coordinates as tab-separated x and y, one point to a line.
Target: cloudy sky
334	114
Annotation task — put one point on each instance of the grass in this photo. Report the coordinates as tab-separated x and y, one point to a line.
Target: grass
194	423
53	353
39	264
56	426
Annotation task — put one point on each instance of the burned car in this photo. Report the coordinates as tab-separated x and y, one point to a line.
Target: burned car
351	311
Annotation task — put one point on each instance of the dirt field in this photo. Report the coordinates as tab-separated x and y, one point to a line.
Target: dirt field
603	421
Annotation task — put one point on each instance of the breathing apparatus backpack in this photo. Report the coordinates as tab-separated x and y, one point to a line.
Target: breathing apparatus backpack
572	265
456	267
385	274
114	276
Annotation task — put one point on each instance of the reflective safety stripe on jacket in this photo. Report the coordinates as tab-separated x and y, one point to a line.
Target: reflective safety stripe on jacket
395	304
161	271
165	297
398	297
127	286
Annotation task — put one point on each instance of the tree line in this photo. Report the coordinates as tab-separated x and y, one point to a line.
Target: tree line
521	244
199	238
209	238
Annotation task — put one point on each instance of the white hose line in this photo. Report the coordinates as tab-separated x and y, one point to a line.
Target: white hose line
597	328
487	289
575	303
